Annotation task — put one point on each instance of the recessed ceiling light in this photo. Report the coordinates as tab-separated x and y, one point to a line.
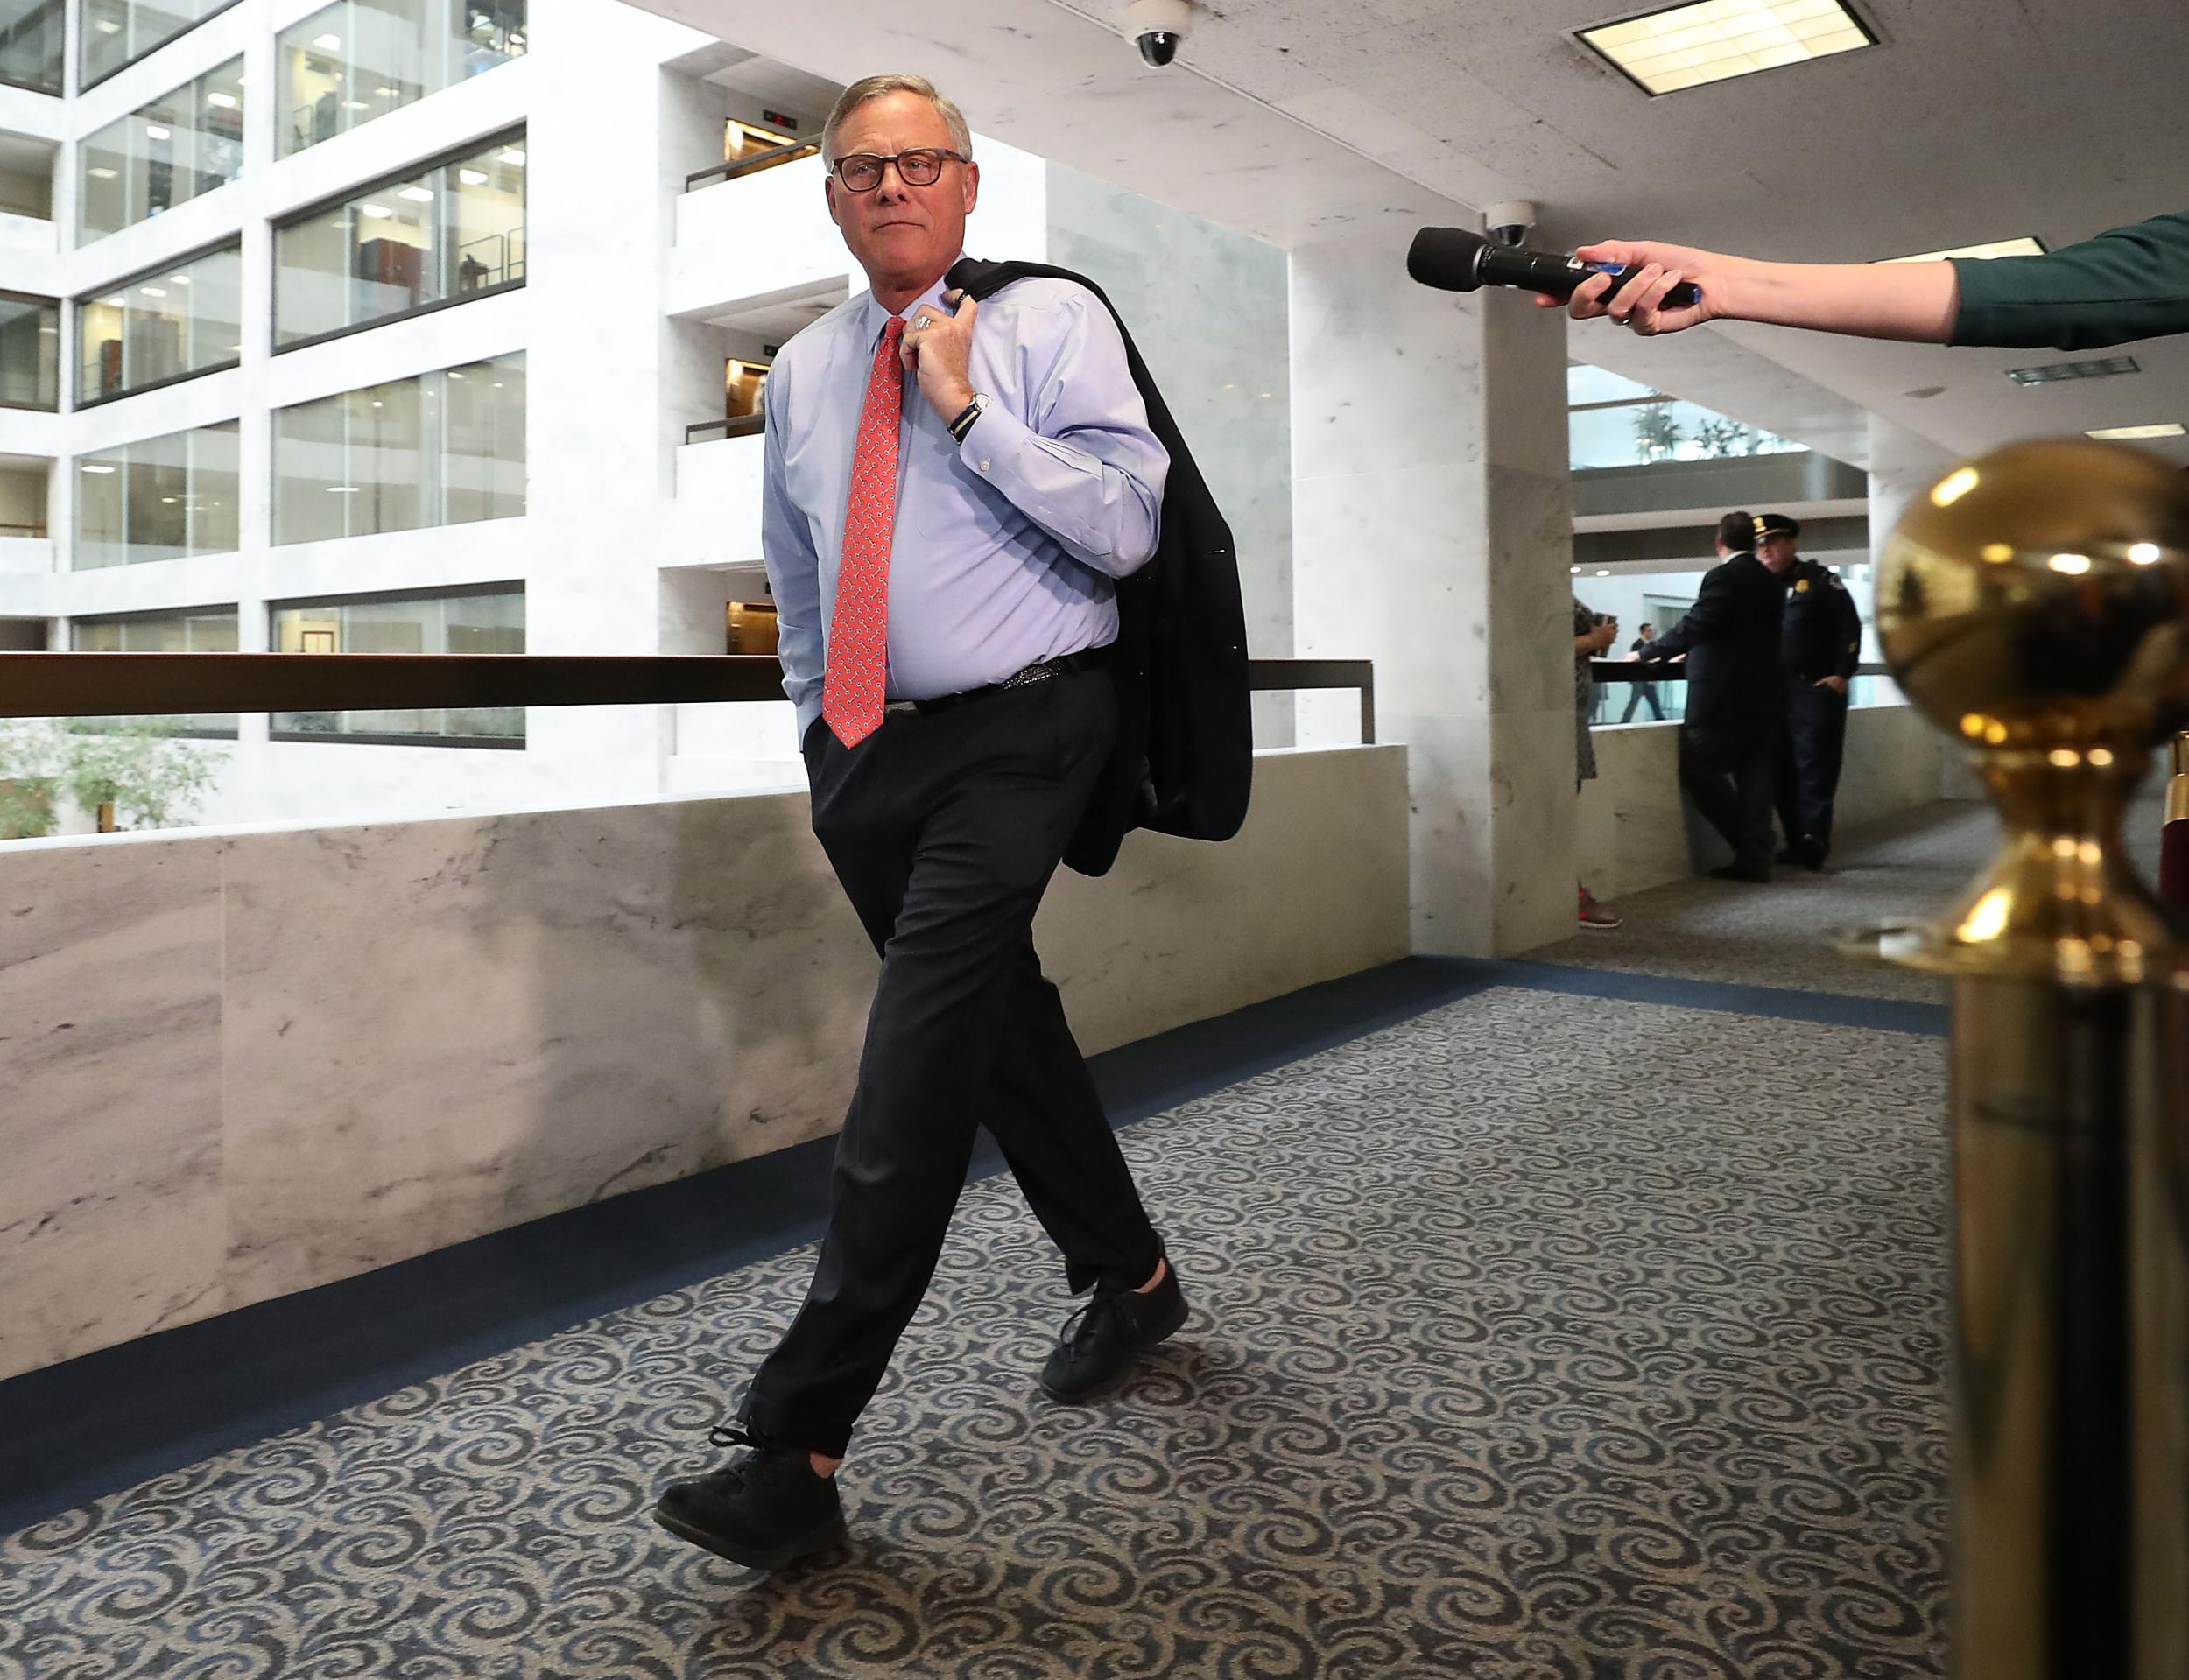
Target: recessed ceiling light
341	489
96	468
2023	247
471	177
2051	372
152	130
2145	555
513	154
226	102
102	174
178	279
2167	429
375	211
1688	46
417	195
355	105
328	42
153	290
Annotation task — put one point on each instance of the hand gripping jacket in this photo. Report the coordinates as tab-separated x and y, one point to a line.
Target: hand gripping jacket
1184	761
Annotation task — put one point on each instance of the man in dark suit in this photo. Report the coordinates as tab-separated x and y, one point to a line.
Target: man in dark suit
1728	741
1823	646
953	492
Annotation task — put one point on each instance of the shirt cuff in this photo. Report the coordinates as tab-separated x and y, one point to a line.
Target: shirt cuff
993	432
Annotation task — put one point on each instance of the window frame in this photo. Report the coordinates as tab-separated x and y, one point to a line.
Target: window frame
358	190
517	587
83	37
8	294
78	402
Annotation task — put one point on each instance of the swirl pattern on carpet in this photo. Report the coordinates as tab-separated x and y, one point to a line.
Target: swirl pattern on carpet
1536	1338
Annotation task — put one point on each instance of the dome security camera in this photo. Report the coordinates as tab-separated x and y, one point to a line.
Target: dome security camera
1158	28
1510	221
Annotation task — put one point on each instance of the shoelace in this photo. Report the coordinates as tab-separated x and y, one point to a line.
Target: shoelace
1112	1301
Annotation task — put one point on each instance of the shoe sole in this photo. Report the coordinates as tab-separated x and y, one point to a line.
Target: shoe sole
824	1539
1163	1331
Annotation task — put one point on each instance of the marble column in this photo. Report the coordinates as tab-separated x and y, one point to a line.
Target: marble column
1432	532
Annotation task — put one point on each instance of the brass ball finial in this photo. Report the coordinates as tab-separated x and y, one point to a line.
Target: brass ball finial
2039	598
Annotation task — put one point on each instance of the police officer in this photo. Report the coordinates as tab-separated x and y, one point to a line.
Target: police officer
1822	646
1729	739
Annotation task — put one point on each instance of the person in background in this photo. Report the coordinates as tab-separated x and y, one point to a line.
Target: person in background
1592	636
1642	691
1822	647
2130	282
1728	741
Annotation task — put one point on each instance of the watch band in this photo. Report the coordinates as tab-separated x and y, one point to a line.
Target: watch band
967	416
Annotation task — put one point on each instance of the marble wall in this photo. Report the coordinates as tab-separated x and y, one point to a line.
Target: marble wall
1432	532
235	1066
1636	831
1208	308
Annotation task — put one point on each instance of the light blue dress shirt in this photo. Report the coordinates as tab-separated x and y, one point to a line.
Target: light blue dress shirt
1005	547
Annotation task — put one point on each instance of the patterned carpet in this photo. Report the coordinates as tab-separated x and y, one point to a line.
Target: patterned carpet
1536	1338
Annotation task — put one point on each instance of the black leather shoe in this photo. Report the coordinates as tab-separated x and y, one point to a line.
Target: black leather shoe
1101	1339
1759	874
765	1509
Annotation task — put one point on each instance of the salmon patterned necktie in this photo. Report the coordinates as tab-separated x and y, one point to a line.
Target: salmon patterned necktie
859	627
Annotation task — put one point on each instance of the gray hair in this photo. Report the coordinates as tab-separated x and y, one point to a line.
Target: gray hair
874	87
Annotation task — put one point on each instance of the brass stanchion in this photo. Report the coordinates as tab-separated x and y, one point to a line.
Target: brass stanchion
2173	847
2036	603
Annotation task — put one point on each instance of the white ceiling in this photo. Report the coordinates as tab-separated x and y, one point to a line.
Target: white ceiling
1972	120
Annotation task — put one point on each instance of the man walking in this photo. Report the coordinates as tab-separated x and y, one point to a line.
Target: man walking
1822	645
1729	739
949	497
1644	639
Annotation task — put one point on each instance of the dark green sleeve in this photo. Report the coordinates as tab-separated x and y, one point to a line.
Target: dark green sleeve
2132	282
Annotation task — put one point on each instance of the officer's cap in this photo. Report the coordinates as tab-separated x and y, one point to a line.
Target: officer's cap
1769	525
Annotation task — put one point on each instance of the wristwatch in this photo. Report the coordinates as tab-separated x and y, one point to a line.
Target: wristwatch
972	412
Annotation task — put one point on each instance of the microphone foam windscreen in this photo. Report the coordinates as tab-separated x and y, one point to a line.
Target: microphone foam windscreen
1446	259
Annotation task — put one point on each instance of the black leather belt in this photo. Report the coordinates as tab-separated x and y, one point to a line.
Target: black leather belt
1039	672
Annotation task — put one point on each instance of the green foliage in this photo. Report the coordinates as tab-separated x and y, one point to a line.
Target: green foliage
136	764
1656	434
32	753
138	767
1720	437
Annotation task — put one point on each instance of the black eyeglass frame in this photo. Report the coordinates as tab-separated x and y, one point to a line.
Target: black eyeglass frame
883	164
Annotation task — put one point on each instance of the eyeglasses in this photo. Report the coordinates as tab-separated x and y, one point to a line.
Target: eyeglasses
861	171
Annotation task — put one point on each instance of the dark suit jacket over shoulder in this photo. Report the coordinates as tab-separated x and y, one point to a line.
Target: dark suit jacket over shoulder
1184	762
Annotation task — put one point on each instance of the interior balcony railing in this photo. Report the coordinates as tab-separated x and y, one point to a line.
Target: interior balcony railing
1635	691
775	157
178	685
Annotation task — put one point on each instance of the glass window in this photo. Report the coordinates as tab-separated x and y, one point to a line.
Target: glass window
30	340
451	230
182	318
186	143
1612	421
357	59
486	620
444	448
159	499
30	45
208	630
118	33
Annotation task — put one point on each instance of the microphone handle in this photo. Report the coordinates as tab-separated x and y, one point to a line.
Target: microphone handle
1559	275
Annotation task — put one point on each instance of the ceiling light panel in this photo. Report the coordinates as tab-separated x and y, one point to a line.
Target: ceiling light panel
2126	433
1715	40
2052	372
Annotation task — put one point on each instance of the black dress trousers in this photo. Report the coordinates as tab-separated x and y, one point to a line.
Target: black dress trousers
1728	775
945	828
1812	744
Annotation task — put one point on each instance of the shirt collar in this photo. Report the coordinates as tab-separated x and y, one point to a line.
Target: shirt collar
873	316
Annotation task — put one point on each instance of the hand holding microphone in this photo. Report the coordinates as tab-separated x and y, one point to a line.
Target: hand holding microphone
1661	288
1629	283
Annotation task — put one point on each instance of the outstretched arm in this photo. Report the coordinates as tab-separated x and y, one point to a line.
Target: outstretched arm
1916	301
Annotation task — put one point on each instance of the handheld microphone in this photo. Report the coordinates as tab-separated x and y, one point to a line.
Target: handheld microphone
1452	259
